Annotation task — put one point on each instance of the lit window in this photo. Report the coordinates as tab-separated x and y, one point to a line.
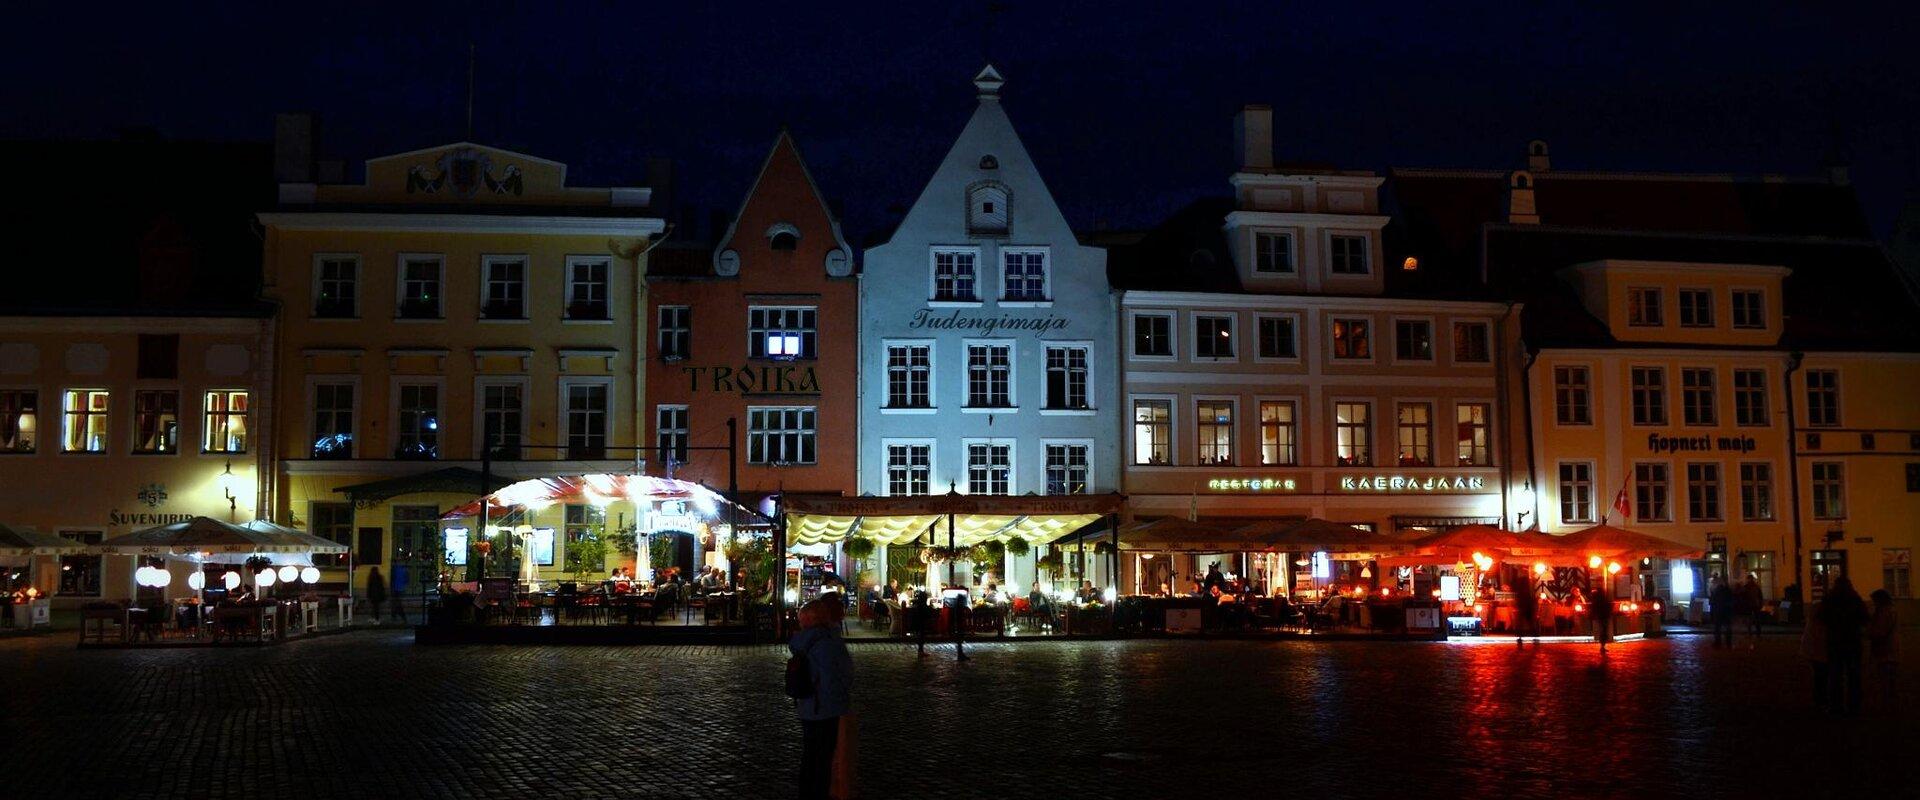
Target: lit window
1353	434
225	430
1152	432
86	421
1215	429
1474	426
19	420
333	409
1351	339
1278	434
782	333
1415	430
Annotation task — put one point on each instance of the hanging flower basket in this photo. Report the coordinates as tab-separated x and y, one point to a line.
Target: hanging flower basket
1102	548
858	548
933	553
1052	562
1018	547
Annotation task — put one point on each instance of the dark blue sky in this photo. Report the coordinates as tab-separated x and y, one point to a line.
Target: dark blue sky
1126	110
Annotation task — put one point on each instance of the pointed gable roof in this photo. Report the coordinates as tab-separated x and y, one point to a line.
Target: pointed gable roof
782	188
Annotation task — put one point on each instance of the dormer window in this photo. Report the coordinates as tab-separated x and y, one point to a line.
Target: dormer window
1749	308
987	209
1273	253
1348	255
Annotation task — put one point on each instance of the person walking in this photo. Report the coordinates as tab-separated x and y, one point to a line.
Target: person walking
1720	610
1844	614
1755	603
1883	647
1600	609
376	592
826	692
920	619
1813	647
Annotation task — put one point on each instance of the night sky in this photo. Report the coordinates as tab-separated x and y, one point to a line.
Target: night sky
1126	111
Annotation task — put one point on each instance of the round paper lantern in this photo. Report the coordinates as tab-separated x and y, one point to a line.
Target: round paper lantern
310	575
289	573
265	578
140	575
197	581
162	578
231	579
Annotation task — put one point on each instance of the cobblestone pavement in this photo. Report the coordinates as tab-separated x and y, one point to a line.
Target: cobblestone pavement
370	715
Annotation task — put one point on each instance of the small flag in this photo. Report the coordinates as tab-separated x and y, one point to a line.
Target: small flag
1620	504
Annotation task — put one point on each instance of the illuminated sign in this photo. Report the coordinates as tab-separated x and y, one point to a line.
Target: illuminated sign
1679	444
456	549
1253	484
541	546
1399	483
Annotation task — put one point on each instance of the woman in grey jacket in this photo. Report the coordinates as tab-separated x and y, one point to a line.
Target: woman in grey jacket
831	669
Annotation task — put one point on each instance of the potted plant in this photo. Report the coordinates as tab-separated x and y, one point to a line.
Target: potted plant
1018	547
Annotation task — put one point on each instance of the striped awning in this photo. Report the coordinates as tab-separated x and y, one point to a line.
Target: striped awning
975	518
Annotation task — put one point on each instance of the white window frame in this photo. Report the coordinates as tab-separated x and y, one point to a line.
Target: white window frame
660	330
1373	341
180	417
563	434
1633	498
804	432
1366	253
1666	396
358	410
801	312
933	281
486	286
1173	334
1373	426
1813	483
1660	293
566	291
1046	275
886	376
1593	491
439	382
359	281
1013	462
685	432
480	386
1233	335
886	465
1092	383
1292	236
1299	336
1453	334
1047	444
1433	433
1592	406
1714	394
1806	391
1233	429
1299	404
1766	396
1772	485
400	285
39	420
1719	490
247	415
1173	428
1433	340
1453	440
1013	376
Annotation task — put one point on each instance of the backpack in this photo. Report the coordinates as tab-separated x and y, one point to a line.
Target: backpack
800	675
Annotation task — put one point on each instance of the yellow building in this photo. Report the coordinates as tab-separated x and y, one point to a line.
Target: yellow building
459	296
1726	361
113	424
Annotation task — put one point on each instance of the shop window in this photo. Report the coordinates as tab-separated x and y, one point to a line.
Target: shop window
80	574
333	522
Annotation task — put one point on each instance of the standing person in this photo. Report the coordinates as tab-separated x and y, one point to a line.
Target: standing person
400	578
1600	609
1883	637
1720	609
920	619
376	592
1755	602
828	695
1844	614
1743	606
1813	647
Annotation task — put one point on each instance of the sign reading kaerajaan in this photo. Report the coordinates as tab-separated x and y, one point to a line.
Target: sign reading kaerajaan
1397	483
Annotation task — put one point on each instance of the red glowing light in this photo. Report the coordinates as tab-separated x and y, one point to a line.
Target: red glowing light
1578	607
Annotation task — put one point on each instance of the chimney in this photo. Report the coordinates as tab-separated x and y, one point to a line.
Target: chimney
1537	160
1253	138
1521	209
293	147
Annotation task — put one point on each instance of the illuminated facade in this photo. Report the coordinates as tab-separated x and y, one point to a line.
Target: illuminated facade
113	424
1277	364
463	304
1716	361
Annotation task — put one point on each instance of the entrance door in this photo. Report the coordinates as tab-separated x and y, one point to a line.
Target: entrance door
1827	565
416	546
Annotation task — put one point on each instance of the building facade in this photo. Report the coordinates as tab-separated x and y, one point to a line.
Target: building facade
1276	365
463	310
987	335
1707	358
110	425
761	330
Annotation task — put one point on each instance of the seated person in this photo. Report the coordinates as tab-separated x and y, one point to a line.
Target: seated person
1041	603
1087	593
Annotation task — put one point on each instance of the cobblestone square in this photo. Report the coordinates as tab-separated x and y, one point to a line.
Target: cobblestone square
370	714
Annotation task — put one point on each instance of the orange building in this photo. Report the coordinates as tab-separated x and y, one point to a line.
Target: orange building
762	329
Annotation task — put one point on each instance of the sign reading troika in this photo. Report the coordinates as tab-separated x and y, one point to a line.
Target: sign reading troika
753	379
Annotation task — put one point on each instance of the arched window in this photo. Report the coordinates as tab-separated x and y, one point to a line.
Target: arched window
783	236
987	211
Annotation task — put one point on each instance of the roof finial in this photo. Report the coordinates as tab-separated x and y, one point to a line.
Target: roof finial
989	82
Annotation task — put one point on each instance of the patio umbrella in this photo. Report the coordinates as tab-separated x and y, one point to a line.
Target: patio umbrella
1459	544
1172	534
1315	534
1610	542
16	542
206	536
